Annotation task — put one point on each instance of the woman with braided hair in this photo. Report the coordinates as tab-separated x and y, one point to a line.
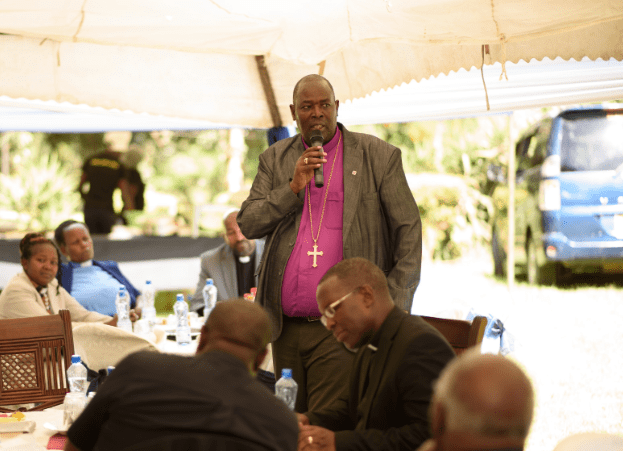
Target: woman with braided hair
36	292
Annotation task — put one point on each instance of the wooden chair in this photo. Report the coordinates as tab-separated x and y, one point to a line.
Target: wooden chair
460	334
34	356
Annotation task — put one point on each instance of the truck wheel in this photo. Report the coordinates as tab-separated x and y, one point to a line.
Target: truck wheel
538	275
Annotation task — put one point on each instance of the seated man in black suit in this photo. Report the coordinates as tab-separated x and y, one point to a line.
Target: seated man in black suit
480	402
398	358
152	396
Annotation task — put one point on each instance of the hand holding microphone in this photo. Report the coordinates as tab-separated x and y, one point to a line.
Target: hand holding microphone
305	168
316	139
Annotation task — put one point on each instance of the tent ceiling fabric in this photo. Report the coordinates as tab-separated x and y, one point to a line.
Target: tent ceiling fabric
460	94
196	60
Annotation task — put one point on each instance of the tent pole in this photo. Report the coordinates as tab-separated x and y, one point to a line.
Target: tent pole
510	260
268	90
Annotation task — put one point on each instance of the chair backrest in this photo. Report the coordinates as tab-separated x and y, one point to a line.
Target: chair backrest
184	441
461	334
101	346
34	356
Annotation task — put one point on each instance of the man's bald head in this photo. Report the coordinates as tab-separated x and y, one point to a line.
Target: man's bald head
311	78
238	327
485	395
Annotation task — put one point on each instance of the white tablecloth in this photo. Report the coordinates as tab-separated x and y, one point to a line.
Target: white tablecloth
171	347
38	440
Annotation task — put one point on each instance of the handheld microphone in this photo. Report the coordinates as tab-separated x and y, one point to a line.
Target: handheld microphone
316	139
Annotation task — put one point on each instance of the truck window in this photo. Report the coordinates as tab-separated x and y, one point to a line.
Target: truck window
592	143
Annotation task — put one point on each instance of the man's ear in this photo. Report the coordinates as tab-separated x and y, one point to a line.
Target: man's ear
203	338
63	250
368	295
259	359
293	112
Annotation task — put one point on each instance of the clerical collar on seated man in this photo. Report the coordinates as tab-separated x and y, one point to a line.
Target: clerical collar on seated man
83	264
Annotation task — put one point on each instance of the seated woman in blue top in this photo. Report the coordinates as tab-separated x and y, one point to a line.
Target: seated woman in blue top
94	284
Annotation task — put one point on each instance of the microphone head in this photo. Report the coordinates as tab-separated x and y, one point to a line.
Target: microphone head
316	138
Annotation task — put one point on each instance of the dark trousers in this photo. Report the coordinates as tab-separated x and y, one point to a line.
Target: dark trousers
320	364
99	220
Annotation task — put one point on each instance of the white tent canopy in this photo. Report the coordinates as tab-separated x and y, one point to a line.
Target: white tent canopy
229	61
462	94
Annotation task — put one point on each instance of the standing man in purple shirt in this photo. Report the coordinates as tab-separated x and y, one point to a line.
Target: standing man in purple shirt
364	209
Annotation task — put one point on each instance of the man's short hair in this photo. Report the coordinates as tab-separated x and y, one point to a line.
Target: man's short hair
357	271
59	232
459	416
241	322
307	78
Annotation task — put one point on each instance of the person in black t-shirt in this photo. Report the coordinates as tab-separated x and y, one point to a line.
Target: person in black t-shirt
104	173
135	199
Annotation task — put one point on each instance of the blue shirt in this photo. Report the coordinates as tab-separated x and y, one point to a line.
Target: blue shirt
66	279
95	289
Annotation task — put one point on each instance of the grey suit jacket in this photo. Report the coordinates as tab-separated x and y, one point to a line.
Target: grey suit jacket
381	221
219	265
393	415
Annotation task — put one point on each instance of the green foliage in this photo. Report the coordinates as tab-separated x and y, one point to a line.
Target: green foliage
188	166
257	143
38	188
75	147
454	214
447	161
192	167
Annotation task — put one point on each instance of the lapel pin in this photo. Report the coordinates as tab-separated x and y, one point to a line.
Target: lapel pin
354	172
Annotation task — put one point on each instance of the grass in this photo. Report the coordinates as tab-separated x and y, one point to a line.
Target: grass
165	299
568	341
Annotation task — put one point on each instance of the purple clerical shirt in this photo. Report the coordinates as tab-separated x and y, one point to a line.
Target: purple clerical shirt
300	279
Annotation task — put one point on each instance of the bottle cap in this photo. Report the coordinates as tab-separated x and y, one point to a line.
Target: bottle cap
286	372
209	282
75	358
148	282
180	297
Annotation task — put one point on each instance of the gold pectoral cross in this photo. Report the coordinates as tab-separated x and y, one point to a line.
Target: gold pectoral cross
315	254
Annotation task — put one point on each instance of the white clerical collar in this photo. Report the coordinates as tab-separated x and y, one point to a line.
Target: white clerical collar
86	263
244	259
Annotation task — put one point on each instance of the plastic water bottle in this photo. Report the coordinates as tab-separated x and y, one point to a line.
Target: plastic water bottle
122	303
73	406
182	329
149	310
286	388
77	375
209	297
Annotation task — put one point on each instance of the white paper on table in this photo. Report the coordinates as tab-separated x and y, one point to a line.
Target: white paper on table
24	442
18	426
